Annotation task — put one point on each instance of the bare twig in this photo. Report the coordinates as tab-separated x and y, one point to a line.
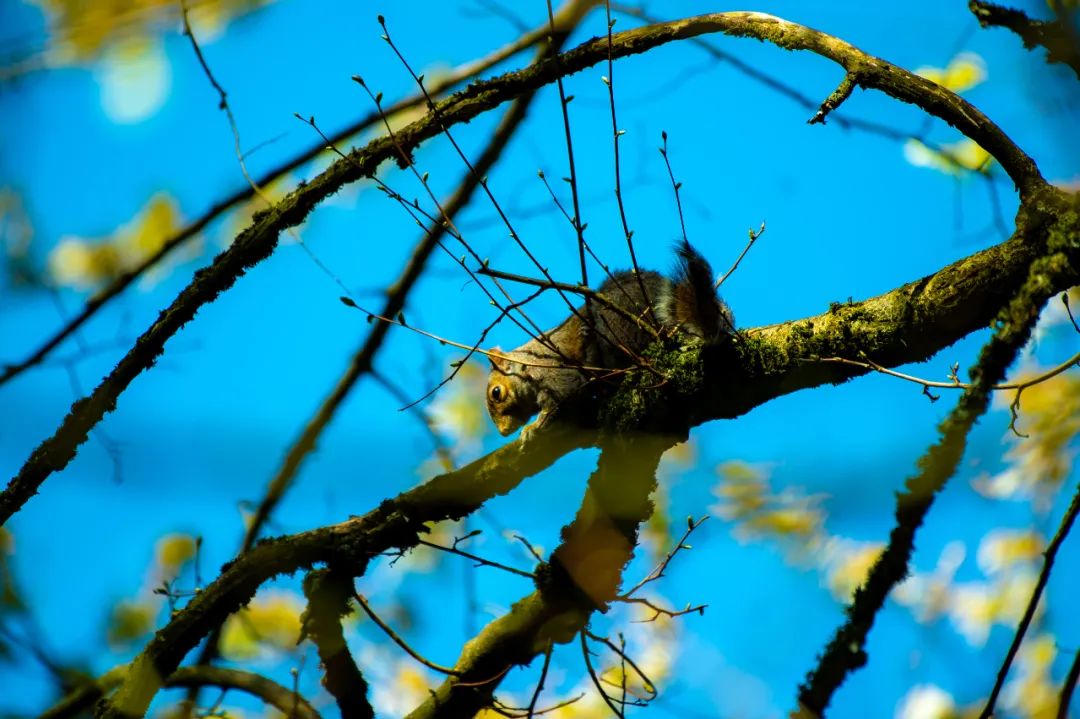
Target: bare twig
398	640
658	571
1036	594
750	243
595	679
480	561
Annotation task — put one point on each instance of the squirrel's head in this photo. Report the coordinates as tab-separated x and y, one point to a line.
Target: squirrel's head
509	401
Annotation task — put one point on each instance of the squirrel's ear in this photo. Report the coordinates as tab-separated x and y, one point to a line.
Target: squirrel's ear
497	362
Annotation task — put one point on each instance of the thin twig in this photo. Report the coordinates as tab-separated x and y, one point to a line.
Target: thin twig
1029	612
480	561
595	679
1068	687
658	571
676	186
540	684
750	243
399	641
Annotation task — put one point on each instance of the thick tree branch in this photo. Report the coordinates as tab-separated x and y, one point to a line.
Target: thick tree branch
846	653
257	242
350	545
328	594
1057	37
283	699
583	575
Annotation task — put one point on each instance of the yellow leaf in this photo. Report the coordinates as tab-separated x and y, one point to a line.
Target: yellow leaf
953	159
173	551
269	622
131	620
1002	549
963	72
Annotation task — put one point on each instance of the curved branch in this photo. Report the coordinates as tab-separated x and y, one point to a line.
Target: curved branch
285	700
328	593
258	241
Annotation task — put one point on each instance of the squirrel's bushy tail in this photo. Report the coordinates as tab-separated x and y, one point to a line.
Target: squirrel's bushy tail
694	306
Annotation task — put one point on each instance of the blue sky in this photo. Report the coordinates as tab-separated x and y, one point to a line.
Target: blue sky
847	216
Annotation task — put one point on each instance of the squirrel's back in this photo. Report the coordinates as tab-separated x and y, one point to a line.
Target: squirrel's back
636	308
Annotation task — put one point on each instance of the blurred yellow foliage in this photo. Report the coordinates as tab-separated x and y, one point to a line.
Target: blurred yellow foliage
953	159
173	552
131	620
85	264
963	72
269	622
1033	694
848	563
1003	548
459	410
81	29
1039	462
747	500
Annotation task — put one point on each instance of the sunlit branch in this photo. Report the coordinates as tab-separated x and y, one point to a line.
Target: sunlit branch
1036	594
846	651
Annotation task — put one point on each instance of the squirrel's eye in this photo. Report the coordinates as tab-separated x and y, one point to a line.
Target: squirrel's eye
497	393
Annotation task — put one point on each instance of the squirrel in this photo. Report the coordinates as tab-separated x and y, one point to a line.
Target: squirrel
632	311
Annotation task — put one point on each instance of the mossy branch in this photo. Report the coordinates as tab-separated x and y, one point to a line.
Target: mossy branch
583	576
258	241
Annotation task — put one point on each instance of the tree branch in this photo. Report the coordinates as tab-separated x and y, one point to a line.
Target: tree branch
846	653
328	593
258	241
1057	36
583	575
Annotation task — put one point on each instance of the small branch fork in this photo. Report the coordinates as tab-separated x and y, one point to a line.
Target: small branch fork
955	383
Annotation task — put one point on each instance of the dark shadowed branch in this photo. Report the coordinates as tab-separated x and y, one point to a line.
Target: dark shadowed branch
328	594
1058	37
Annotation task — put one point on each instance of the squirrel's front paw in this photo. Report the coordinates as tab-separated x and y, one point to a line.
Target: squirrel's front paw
529	431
